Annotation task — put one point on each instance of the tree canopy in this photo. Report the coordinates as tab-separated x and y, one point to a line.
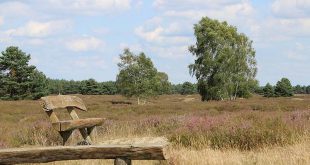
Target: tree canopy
268	91
138	77
284	88
188	88
225	65
18	79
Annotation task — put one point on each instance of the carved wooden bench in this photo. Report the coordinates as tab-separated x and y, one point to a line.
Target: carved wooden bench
65	128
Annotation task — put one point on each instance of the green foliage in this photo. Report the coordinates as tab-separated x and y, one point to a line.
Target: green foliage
18	79
176	88
225	64
268	91
284	88
138	77
259	90
108	88
90	87
38	87
298	89
165	86
188	88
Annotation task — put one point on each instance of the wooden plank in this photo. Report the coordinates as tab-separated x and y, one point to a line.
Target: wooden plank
75	124
50	154
62	101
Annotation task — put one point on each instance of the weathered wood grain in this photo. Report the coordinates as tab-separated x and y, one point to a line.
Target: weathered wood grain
79	123
62	101
50	154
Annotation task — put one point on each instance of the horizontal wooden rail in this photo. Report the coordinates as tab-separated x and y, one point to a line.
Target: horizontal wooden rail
77	123
58	153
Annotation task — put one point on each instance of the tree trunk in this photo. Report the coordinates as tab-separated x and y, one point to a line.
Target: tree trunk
235	96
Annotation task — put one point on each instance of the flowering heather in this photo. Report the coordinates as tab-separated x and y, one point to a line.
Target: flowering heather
245	124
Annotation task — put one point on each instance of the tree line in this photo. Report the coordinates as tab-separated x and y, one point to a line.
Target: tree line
20	80
92	87
283	88
224	66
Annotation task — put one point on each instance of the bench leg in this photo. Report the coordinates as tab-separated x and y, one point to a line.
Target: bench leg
65	136
85	135
122	161
92	132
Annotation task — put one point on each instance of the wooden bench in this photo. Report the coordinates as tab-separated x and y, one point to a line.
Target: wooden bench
65	128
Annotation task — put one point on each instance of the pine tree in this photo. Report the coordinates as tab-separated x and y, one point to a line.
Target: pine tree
38	86
268	91
284	88
17	77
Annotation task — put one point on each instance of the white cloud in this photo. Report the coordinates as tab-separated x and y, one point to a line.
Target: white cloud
285	28
230	12
171	52
90	6
39	29
298	52
151	36
170	34
36	41
192	3
136	48
15	9
90	62
85	44
1	20
291	8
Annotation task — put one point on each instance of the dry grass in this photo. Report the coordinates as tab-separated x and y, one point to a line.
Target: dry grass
246	131
294	154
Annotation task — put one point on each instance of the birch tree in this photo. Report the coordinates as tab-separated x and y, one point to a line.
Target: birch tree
225	65
137	76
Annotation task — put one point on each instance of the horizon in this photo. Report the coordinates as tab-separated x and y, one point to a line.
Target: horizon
78	40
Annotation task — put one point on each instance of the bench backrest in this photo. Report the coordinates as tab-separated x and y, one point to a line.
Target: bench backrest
62	101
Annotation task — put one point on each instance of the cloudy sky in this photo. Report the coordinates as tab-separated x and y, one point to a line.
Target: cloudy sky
81	39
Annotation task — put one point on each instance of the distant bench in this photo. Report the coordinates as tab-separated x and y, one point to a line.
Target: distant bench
120	102
65	128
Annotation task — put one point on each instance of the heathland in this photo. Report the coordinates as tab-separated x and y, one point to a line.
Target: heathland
257	130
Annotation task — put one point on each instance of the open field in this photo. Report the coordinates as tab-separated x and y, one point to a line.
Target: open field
246	131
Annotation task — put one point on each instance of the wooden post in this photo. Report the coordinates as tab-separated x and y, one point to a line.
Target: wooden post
83	131
122	161
92	132
65	136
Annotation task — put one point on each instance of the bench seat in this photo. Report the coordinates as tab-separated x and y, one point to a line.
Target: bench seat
68	125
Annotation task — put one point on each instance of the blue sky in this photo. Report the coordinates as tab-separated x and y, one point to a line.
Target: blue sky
81	39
